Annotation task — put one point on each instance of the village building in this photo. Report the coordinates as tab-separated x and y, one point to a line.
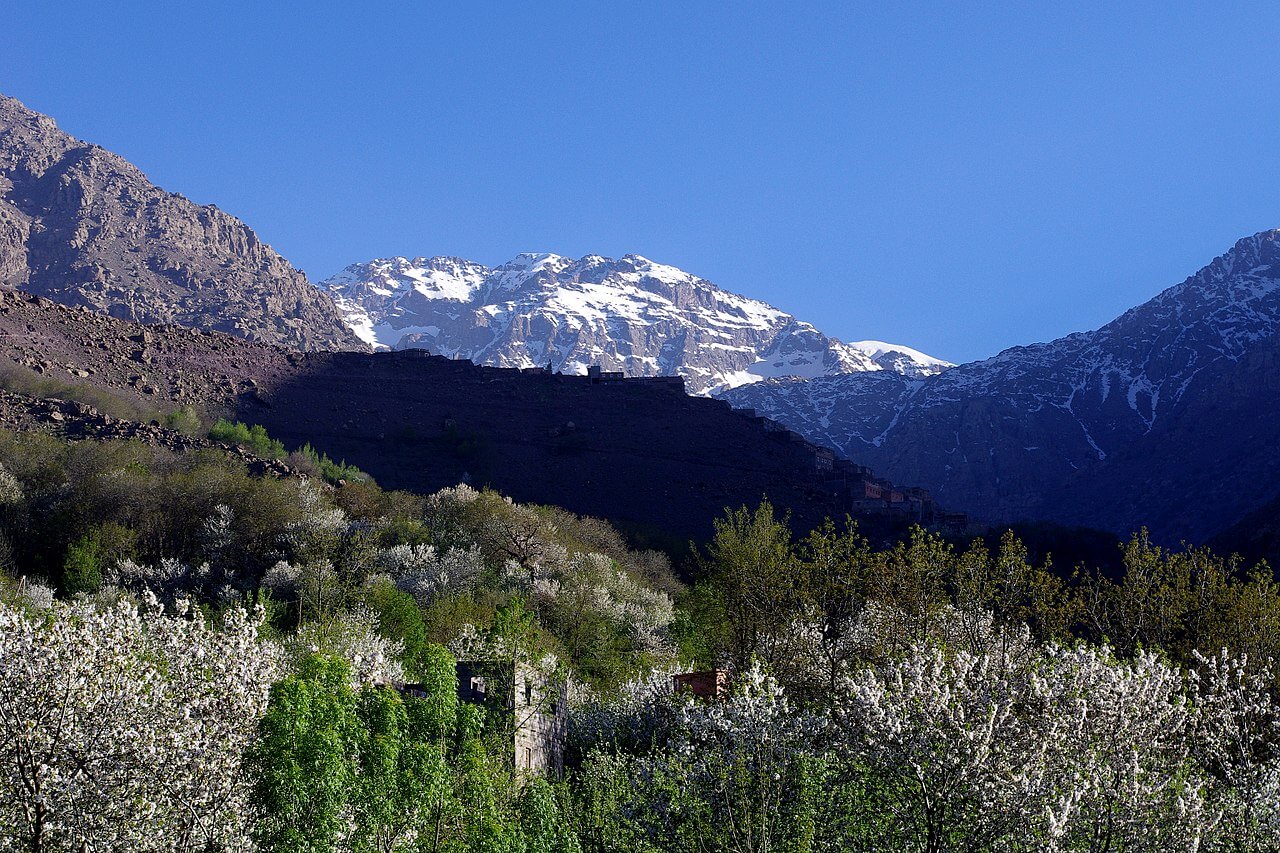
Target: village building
711	684
597	374
824	459
528	706
770	425
669	383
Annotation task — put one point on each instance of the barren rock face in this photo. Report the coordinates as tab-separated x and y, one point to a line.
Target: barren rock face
82	226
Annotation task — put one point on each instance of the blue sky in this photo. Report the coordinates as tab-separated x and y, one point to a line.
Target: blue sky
959	177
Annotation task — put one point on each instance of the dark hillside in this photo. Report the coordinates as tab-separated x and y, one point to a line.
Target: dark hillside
1255	537
640	453
635	452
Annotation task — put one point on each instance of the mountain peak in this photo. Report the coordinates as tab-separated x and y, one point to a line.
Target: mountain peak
82	226
13	111
1096	428
630	314
1257	256
535	261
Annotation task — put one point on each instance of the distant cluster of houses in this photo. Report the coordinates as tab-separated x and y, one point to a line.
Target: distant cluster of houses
599	376
596	374
859	489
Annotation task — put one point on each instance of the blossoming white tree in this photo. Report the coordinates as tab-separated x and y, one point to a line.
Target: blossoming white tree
736	775
1236	738
427	574
123	729
354	637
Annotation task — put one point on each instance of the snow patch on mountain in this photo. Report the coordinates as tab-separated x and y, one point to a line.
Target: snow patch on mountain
630	314
900	359
989	436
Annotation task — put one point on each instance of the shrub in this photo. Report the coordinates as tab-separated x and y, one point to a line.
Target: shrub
82	569
254	438
332	472
184	420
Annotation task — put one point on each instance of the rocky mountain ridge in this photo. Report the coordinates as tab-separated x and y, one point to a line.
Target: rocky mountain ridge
630	314
82	226
1113	428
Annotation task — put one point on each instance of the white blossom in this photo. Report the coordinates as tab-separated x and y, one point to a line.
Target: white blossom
425	574
123	729
320	526
36	595
282	577
353	636
452	497
169	577
10	487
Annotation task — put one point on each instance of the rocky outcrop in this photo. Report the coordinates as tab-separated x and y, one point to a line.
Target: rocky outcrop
78	421
82	226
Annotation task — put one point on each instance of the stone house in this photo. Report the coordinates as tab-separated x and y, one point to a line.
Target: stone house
598	374
530	709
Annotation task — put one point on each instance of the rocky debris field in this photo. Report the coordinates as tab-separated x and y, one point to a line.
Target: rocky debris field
81	422
148	365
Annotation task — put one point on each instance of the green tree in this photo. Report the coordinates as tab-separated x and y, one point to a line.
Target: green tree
543	823
838	566
399	618
1148	607
403	785
301	764
1010	587
377	770
912	579
756	582
82	568
482	793
253	437
602	791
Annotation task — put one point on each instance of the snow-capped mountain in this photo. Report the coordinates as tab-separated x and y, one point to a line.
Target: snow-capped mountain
1167	416
631	315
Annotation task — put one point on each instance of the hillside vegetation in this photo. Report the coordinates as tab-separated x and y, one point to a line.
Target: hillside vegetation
194	658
